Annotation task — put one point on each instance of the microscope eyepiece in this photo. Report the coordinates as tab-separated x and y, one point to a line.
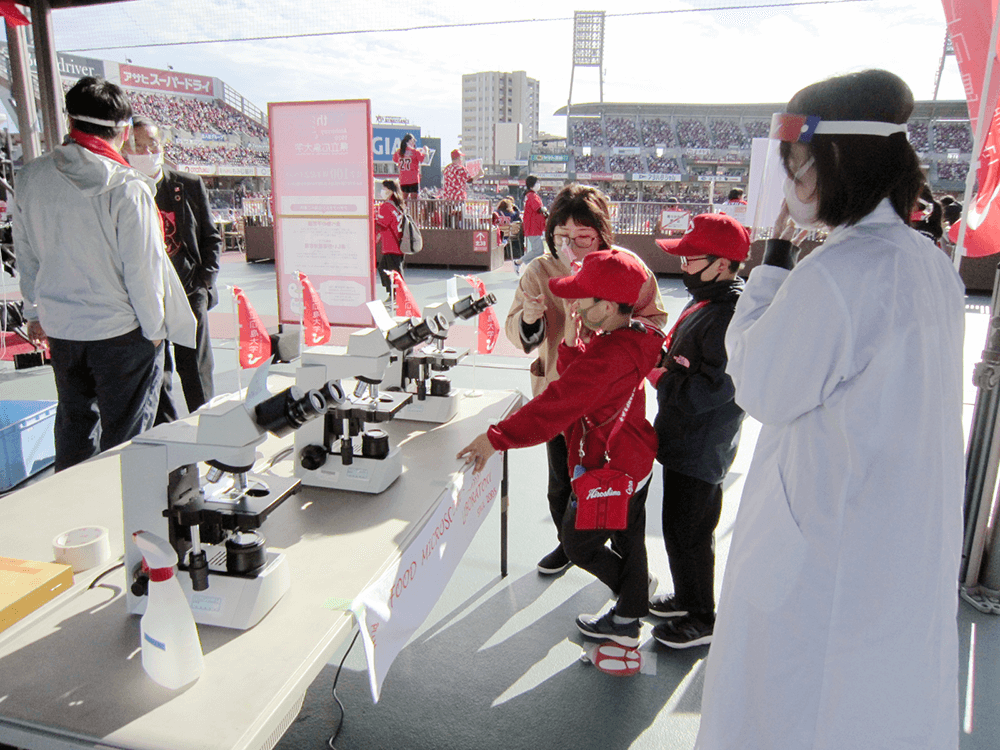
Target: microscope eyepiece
415	331
289	410
468	307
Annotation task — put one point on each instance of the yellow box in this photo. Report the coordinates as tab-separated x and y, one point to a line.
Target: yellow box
25	585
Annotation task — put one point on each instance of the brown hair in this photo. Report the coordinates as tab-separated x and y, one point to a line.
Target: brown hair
586	206
855	172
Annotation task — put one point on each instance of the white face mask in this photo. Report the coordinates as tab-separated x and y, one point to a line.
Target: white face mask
386	193
149	164
802	213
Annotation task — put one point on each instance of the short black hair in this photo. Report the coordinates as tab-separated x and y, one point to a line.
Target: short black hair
531	181
735	194
855	172
96	97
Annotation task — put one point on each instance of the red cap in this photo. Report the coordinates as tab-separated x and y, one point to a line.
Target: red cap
456	153
614	275
711	234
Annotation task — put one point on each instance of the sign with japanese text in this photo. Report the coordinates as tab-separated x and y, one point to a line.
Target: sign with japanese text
132	76
322	184
391	609
480	242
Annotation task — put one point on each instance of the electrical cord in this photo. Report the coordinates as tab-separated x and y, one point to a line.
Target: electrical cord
109	570
337	677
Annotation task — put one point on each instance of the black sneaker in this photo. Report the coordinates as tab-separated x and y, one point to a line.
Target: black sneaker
603	628
554	562
665	605
684	632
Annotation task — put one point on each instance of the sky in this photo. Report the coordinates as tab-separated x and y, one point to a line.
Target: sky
375	50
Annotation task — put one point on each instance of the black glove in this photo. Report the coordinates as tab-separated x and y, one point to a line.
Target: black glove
780	253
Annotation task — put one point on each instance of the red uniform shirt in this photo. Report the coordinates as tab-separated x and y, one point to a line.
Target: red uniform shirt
534	219
595	381
409	165
389	222
455	178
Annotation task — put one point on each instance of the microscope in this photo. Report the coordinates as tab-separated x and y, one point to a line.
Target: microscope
412	371
229	576
339	452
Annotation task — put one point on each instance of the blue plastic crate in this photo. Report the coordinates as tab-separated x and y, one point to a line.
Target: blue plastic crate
27	439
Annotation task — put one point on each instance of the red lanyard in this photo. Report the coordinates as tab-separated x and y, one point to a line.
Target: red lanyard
670	336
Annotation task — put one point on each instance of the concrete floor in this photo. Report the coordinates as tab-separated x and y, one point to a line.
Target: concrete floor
497	663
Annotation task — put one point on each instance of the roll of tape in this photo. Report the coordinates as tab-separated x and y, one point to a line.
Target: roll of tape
83	548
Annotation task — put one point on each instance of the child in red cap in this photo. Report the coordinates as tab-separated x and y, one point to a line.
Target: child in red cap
600	384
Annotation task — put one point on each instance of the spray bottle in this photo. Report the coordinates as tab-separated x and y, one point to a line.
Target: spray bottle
171	649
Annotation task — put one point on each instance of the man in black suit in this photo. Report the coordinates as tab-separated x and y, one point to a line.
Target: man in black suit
193	244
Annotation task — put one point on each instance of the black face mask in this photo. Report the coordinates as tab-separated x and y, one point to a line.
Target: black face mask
694	282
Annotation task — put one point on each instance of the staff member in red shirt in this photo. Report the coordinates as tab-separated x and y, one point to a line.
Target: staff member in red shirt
389	223
534	224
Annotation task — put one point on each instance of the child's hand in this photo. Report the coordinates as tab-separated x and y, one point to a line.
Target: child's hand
478	451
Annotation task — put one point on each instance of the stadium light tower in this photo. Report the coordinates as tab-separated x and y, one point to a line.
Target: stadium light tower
588	48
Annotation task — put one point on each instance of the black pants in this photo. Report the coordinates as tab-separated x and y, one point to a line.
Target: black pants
107	393
559	487
194	366
389	262
691	510
623	569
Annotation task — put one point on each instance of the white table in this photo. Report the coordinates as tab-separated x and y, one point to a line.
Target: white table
71	673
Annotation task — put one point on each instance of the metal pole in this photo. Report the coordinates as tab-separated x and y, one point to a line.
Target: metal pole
24	96
49	85
981	459
983	453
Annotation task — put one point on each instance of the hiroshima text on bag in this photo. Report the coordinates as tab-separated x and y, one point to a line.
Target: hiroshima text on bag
602	495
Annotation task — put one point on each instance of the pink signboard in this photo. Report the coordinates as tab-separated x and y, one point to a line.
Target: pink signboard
322	183
165	80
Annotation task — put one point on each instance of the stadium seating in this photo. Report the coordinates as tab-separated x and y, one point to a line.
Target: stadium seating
658	132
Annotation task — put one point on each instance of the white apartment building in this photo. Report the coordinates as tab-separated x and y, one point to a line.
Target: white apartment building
493	97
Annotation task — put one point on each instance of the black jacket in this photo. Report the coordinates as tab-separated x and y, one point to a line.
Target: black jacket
193	240
698	423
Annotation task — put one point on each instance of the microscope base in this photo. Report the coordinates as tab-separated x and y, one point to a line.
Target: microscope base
436	409
230	601
368	475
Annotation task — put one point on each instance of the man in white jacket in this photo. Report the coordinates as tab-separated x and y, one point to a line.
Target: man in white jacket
96	281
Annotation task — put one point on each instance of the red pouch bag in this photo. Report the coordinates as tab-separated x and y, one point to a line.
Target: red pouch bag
602	495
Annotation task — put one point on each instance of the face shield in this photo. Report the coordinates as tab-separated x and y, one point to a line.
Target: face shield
766	183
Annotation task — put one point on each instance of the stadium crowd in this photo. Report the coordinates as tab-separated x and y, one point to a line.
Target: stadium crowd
658	132
622	132
193	115
693	134
234	155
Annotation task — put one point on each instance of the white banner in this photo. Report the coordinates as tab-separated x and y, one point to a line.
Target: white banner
391	609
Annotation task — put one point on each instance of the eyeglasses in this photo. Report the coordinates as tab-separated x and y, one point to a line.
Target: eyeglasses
685	260
580	242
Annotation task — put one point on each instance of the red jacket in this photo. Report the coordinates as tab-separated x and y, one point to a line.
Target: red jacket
389	222
534	218
595	381
409	165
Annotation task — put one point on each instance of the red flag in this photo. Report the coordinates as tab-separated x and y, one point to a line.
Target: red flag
406	305
970	23
254	340
315	324
12	15
489	326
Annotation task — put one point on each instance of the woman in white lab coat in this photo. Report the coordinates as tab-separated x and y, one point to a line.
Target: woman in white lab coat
836	627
